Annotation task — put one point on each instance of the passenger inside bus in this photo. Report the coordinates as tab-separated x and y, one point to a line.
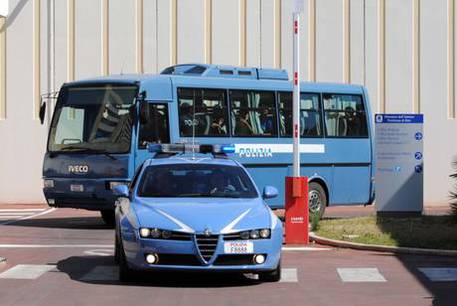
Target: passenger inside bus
242	125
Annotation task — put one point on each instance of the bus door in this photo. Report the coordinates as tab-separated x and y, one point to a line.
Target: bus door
155	130
348	147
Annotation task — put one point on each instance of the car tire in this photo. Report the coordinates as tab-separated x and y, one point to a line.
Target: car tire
272	276
317	199
125	273
108	217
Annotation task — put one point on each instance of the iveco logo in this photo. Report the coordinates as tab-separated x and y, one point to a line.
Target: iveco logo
78	169
207	232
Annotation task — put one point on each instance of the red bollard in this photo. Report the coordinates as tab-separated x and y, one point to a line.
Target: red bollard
297	214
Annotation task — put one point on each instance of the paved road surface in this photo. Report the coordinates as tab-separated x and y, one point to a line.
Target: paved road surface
64	257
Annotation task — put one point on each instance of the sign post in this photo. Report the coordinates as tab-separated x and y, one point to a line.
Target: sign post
399	164
297	215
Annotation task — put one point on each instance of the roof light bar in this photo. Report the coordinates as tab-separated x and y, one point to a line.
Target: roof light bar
176	148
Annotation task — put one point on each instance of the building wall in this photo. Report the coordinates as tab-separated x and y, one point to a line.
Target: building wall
402	50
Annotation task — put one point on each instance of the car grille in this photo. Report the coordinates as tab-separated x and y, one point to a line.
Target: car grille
178	260
234	260
207	245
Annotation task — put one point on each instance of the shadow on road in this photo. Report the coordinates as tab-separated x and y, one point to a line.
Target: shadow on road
89	222
103	271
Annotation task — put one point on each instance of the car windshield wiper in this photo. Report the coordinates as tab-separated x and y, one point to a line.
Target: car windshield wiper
88	150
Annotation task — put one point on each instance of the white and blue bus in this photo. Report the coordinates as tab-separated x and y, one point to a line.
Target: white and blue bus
101	127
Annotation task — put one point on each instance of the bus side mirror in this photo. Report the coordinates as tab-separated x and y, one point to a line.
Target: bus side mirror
269	192
144	112
42	112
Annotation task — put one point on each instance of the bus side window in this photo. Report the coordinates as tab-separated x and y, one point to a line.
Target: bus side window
202	112
345	116
156	130
310	118
253	113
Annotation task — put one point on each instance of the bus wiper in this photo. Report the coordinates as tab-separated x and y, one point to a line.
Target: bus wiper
89	150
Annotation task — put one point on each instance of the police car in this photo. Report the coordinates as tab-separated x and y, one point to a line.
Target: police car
194	211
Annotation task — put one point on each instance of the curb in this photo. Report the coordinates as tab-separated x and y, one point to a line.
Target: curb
380	248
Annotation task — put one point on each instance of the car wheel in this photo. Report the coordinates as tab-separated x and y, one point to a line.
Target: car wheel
108	217
125	273
273	276
317	199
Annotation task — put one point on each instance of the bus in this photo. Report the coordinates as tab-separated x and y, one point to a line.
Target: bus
101	127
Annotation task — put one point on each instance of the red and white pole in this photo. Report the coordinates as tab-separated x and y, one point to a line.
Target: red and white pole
297	215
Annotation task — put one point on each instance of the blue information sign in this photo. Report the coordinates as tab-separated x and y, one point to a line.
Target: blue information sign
399	162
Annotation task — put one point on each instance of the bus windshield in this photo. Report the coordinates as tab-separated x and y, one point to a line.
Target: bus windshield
196	180
93	119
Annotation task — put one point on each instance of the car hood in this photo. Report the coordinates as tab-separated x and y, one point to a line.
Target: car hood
220	216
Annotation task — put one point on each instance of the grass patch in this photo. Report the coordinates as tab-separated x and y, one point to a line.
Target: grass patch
430	232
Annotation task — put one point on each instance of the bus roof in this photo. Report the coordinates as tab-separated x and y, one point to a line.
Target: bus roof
219	76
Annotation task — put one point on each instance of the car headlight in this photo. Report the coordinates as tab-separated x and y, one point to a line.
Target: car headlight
114	184
145	232
244	235
48	183
265	233
254	234
155	233
166	234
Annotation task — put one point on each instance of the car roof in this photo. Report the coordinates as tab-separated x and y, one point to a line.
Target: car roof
189	159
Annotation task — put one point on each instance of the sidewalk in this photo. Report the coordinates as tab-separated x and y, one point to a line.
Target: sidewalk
353	211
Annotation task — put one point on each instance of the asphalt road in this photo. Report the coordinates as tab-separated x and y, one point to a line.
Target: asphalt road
64	257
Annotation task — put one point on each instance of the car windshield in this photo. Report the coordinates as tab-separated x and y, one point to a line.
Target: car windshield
196	180
94	119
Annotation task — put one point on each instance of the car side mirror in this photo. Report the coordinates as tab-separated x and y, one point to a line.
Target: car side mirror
121	191
269	192
42	112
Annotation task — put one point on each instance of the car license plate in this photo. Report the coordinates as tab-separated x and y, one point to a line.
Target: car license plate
77	188
238	247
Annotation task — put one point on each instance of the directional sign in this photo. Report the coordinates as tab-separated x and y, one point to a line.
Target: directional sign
399	163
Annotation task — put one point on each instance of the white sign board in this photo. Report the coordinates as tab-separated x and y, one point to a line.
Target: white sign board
299	6
399	163
3	8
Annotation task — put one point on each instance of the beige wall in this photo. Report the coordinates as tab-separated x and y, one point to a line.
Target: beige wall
402	50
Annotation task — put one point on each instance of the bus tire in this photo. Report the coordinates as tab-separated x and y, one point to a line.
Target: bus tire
317	199
108	217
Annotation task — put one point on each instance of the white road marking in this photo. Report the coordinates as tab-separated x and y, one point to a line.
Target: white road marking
29	217
11	213
358	275
26	271
440	274
12	246
102	273
286	248
22	210
289	275
99	252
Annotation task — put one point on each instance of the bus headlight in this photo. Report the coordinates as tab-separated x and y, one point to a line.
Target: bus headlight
114	184
48	183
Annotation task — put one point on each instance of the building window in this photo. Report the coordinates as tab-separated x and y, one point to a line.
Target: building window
345	116
202	112
253	113
310	117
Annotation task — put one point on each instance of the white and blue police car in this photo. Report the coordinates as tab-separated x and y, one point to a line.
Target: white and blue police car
196	211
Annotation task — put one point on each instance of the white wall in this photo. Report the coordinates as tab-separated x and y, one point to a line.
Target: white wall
23	138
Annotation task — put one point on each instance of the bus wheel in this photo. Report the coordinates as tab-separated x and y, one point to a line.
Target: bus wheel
317	199
108	217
